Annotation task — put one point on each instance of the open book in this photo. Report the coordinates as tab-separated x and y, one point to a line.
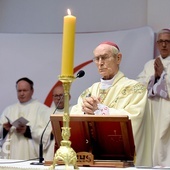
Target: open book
20	121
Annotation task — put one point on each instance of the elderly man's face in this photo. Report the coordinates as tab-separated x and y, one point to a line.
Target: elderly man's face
58	97
163	44
107	64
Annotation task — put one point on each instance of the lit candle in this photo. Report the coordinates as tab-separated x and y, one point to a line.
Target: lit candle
68	44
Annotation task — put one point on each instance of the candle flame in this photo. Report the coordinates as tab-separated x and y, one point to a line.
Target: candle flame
68	12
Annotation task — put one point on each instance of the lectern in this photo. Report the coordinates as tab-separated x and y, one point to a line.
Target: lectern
98	140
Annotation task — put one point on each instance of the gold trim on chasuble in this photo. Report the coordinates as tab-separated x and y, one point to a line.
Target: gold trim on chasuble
137	88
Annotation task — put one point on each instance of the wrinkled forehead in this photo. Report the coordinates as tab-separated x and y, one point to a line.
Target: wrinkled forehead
103	49
164	36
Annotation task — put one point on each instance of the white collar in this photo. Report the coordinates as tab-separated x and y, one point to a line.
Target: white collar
167	58
105	84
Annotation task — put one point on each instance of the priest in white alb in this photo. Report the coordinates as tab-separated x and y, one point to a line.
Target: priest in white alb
156	77
21	140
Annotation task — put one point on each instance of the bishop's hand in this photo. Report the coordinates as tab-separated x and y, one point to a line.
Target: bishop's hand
90	105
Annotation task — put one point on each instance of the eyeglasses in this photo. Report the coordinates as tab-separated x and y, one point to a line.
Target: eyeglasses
103	58
58	96
163	41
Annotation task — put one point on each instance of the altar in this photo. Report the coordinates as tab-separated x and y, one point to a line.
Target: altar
7	164
26	165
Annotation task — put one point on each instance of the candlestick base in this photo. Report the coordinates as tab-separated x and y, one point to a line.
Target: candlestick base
65	153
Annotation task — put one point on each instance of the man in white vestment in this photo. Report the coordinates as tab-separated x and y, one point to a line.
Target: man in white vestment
115	94
156	77
21	140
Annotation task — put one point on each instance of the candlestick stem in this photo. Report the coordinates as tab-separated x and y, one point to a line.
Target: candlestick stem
65	153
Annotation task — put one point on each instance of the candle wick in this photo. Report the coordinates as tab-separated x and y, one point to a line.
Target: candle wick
68	12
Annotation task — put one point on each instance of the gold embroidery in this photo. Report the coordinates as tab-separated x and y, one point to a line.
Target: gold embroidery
85	93
103	93
137	88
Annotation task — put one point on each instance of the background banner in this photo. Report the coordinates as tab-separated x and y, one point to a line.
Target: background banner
38	57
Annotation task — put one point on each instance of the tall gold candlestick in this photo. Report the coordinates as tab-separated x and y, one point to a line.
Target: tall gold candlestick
65	153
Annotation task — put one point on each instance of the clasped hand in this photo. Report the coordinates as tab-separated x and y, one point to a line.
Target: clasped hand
7	126
158	66
90	105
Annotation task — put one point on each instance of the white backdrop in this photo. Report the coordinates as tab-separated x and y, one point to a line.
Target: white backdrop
38	56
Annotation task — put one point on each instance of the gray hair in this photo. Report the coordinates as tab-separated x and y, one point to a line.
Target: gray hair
114	50
163	31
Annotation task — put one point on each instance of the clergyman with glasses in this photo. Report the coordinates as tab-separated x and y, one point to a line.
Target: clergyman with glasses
115	94
58	98
156	77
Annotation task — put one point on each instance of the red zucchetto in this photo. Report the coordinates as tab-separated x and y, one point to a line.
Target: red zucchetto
110	43
166	29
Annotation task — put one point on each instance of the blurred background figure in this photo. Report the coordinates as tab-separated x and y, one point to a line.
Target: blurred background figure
156	77
22	141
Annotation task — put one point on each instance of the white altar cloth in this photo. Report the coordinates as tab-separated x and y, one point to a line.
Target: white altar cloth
25	165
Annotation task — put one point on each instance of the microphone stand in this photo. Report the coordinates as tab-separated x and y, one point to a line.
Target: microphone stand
41	159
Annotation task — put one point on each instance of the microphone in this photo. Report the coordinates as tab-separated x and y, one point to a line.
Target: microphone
80	74
41	159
